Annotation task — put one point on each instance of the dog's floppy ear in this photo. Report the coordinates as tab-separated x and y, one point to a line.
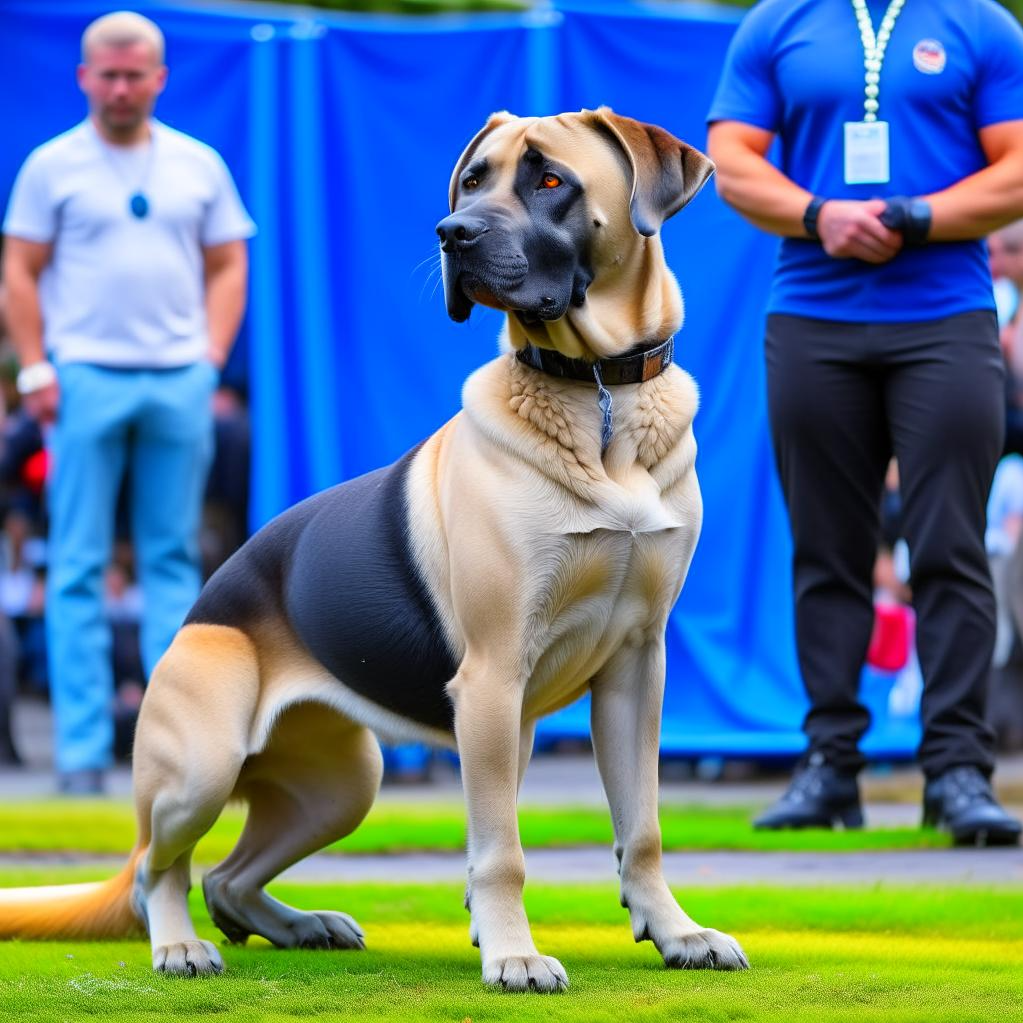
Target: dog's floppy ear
666	172
494	121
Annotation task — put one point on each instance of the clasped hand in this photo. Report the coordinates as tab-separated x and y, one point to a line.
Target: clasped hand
851	229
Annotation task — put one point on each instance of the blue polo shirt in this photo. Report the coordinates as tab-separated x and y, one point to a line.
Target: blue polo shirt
952	67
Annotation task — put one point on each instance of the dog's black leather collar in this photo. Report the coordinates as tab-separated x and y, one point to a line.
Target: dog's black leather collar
642	364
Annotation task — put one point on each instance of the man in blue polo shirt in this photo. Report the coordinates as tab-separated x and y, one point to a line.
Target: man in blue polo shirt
901	146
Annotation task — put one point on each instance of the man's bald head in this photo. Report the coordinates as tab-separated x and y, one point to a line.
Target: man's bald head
122	28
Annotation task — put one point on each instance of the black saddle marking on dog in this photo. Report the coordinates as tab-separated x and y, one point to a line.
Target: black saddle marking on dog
339	568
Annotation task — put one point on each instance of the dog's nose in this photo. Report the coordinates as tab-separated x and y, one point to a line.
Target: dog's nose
459	231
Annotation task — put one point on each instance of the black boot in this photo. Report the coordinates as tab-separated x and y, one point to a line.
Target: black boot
961	801
820	796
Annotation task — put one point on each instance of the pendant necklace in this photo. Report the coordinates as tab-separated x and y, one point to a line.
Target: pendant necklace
138	203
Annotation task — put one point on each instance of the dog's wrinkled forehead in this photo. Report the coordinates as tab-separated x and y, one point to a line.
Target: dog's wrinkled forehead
565	139
662	173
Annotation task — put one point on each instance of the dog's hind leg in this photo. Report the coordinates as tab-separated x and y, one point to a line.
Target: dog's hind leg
626	726
312	785
189	748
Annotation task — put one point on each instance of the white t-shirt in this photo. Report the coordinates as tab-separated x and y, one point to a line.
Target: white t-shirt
123	290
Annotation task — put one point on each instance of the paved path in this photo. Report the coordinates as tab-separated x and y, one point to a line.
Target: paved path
685	869
682	869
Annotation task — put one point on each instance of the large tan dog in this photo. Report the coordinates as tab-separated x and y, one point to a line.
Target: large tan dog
527	552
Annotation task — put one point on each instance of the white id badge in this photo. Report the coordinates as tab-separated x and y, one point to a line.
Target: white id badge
866	152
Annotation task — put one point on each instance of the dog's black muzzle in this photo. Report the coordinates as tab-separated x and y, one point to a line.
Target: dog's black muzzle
483	261
517	266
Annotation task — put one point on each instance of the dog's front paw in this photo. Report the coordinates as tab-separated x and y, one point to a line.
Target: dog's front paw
188	959
526	973
705	949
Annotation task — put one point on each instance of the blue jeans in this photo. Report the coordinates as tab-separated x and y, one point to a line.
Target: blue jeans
159	424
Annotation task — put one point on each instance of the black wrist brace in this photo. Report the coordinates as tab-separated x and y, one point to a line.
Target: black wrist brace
910	217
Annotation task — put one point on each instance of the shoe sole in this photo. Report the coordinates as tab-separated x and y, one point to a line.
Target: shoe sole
978	837
983	837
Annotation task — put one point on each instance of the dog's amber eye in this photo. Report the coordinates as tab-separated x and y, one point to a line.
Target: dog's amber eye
551	181
471	182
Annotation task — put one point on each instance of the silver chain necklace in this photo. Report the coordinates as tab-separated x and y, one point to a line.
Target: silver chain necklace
874	47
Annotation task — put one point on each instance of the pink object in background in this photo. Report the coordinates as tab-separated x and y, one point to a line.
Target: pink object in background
892	638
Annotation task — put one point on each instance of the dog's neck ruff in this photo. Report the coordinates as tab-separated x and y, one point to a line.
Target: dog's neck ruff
643	363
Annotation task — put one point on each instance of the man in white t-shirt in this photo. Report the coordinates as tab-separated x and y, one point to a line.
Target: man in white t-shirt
125	266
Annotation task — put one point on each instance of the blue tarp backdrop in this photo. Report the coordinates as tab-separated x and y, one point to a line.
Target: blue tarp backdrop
341	131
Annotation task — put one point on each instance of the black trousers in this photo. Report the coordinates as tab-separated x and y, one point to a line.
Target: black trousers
844	397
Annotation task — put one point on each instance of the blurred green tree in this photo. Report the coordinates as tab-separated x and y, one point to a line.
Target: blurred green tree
436	6
411	6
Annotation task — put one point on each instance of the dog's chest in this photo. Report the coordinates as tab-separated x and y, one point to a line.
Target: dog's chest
593	594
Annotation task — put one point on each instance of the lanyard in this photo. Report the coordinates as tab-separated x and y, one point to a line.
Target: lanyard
874	47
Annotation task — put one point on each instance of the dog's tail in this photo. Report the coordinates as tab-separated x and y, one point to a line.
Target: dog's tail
100	910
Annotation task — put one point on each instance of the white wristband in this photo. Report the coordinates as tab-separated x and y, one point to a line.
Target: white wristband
35	377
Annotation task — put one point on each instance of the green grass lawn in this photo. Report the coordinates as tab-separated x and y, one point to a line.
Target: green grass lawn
103	826
818	955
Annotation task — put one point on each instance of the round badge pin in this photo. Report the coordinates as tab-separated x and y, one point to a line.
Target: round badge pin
929	57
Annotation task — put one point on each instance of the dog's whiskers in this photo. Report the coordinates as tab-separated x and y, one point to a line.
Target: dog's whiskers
433	269
434	256
435	275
